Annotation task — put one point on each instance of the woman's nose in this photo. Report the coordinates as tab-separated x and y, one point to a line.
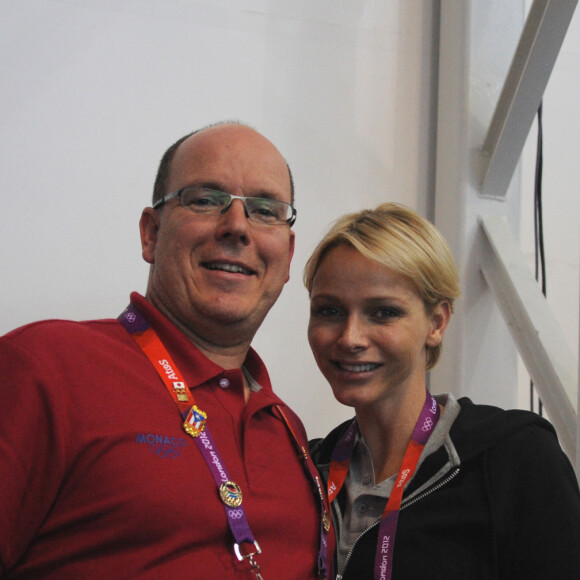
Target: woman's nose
353	336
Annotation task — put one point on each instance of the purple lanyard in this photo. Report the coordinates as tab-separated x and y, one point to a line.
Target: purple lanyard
388	525
195	425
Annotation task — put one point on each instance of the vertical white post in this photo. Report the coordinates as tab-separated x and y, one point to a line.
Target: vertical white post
479	357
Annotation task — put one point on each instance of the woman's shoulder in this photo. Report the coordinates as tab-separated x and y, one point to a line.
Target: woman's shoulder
322	447
481	428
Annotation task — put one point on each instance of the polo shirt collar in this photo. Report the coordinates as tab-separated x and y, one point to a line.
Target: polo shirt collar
187	356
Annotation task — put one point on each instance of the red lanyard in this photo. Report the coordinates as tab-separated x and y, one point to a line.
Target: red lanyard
339	465
195	425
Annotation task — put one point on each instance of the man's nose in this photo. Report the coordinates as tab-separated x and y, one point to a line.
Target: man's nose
233	201
233	221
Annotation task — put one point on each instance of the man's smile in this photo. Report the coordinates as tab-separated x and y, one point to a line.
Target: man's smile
228	267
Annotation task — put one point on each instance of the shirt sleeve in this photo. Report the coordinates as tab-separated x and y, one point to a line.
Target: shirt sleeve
31	449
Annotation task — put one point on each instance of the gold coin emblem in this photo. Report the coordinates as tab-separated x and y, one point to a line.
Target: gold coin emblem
231	494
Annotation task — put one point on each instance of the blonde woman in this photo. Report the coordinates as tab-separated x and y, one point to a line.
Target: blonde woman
424	487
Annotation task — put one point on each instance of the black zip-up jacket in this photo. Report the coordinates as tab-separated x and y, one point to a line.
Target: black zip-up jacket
509	510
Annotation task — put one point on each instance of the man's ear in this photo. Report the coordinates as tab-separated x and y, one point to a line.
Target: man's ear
439	321
291	250
149	227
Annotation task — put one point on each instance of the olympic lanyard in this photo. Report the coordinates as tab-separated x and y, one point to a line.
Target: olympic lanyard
324	561
388	526
195	425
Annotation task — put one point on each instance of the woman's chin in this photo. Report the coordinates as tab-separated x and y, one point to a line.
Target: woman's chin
350	397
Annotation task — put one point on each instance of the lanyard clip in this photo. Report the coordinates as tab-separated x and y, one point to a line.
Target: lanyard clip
250	557
241	556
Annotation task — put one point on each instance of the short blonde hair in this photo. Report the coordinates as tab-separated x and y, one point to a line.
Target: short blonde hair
400	239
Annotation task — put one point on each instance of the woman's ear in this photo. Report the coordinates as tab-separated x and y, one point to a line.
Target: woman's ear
439	318
149	227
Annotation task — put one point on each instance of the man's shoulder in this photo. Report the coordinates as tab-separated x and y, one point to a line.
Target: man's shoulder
61	335
48	328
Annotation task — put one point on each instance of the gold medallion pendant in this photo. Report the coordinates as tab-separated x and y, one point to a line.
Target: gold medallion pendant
231	494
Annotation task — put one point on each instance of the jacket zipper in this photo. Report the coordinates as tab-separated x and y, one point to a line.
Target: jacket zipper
403	506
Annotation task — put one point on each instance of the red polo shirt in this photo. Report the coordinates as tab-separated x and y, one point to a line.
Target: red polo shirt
100	481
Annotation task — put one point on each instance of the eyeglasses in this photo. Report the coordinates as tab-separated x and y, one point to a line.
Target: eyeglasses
206	201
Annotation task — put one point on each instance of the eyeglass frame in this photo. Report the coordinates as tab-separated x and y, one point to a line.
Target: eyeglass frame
290	221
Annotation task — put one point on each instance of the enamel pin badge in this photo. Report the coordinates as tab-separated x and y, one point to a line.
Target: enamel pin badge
231	494
195	421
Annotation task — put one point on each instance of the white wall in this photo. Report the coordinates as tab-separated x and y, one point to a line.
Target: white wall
561	189
478	40
94	91
477	43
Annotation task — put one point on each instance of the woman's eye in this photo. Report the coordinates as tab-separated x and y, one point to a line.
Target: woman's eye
326	312
386	313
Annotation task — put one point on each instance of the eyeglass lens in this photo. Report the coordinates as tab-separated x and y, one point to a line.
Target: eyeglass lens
259	209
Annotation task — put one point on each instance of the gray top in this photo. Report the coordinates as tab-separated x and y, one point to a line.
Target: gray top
365	499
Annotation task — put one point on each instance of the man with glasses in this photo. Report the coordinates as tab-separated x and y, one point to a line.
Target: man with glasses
152	446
